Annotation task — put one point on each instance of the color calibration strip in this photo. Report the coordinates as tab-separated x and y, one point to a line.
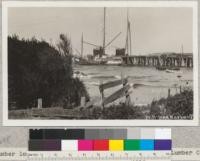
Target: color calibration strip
148	139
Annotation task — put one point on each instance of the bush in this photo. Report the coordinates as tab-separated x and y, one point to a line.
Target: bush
155	111
122	111
177	106
180	104
38	70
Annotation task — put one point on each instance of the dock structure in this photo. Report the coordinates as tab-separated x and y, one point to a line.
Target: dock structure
165	60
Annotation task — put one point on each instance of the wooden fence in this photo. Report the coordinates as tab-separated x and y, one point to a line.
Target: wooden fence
123	92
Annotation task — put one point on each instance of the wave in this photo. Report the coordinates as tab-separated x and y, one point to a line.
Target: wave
154	81
93	73
115	76
94	76
137	85
106	77
140	77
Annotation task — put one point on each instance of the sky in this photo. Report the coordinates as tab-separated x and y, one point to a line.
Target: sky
152	29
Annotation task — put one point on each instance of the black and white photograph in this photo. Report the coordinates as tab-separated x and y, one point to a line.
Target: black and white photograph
100	63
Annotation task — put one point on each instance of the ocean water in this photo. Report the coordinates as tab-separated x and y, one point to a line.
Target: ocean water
148	83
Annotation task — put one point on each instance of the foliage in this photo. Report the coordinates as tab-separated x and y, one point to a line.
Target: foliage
177	106
38	70
180	104
155	111
122	111
64	46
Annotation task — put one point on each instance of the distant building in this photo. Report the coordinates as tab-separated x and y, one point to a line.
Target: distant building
120	52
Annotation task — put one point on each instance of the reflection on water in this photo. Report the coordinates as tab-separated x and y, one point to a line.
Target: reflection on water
148	82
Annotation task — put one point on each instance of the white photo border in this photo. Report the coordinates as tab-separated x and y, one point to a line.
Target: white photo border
120	123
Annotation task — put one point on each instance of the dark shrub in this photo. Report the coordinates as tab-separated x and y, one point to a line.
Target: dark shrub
38	70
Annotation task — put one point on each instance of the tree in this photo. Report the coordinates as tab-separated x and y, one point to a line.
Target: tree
65	49
64	46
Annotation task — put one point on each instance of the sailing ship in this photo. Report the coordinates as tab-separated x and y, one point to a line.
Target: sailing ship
99	56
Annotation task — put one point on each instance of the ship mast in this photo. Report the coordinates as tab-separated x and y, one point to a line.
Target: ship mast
104	45
82	46
126	45
182	49
128	37
104	31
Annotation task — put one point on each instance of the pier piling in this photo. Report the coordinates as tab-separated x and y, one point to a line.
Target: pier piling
168	60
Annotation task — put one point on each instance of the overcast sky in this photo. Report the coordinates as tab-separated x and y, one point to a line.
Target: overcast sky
153	29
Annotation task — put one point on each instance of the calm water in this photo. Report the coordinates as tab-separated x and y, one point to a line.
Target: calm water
149	83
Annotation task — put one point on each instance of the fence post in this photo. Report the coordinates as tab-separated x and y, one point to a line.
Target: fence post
180	89
128	99
83	101
169	92
39	103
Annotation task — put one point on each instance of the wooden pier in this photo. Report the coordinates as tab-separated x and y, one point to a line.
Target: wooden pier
165	60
